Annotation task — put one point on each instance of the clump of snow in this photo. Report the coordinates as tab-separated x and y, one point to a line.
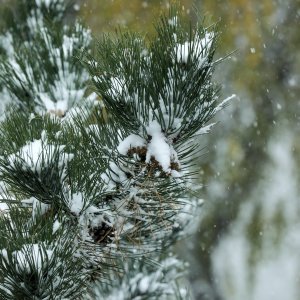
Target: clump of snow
3	207
132	141
159	148
38	153
173	21
6	43
144	284
31	255
77	203
54	107
198	48
56	226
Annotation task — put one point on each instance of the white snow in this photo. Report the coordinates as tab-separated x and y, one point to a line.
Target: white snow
31	153
132	141
31	255
56	226
113	175
52	106
6	43
169	110
144	284
38	207
77	203
158	147
161	281
68	85
35	21
173	21
5	101
117	86
3	207
47	3
205	130
198	48
36	154
224	103
3	252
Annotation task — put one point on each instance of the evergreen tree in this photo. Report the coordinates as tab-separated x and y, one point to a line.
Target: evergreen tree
97	153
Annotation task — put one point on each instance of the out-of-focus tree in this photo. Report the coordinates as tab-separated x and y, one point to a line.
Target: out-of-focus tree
263	74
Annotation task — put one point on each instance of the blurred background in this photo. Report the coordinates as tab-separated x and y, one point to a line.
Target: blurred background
248	243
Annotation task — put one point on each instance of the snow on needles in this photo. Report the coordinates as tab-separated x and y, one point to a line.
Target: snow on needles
205	130
132	141
199	48
224	103
32	255
66	86
77	203
47	3
37	154
159	148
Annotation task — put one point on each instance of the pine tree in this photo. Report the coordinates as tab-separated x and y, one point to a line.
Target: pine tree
96	154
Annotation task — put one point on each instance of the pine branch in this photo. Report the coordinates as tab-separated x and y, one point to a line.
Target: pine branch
102	183
39	72
37	262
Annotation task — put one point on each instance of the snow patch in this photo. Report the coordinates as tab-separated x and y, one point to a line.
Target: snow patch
37	154
173	21
132	141
77	203
198	48
158	147
31	255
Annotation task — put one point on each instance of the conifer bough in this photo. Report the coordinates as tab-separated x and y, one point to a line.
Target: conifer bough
96	154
